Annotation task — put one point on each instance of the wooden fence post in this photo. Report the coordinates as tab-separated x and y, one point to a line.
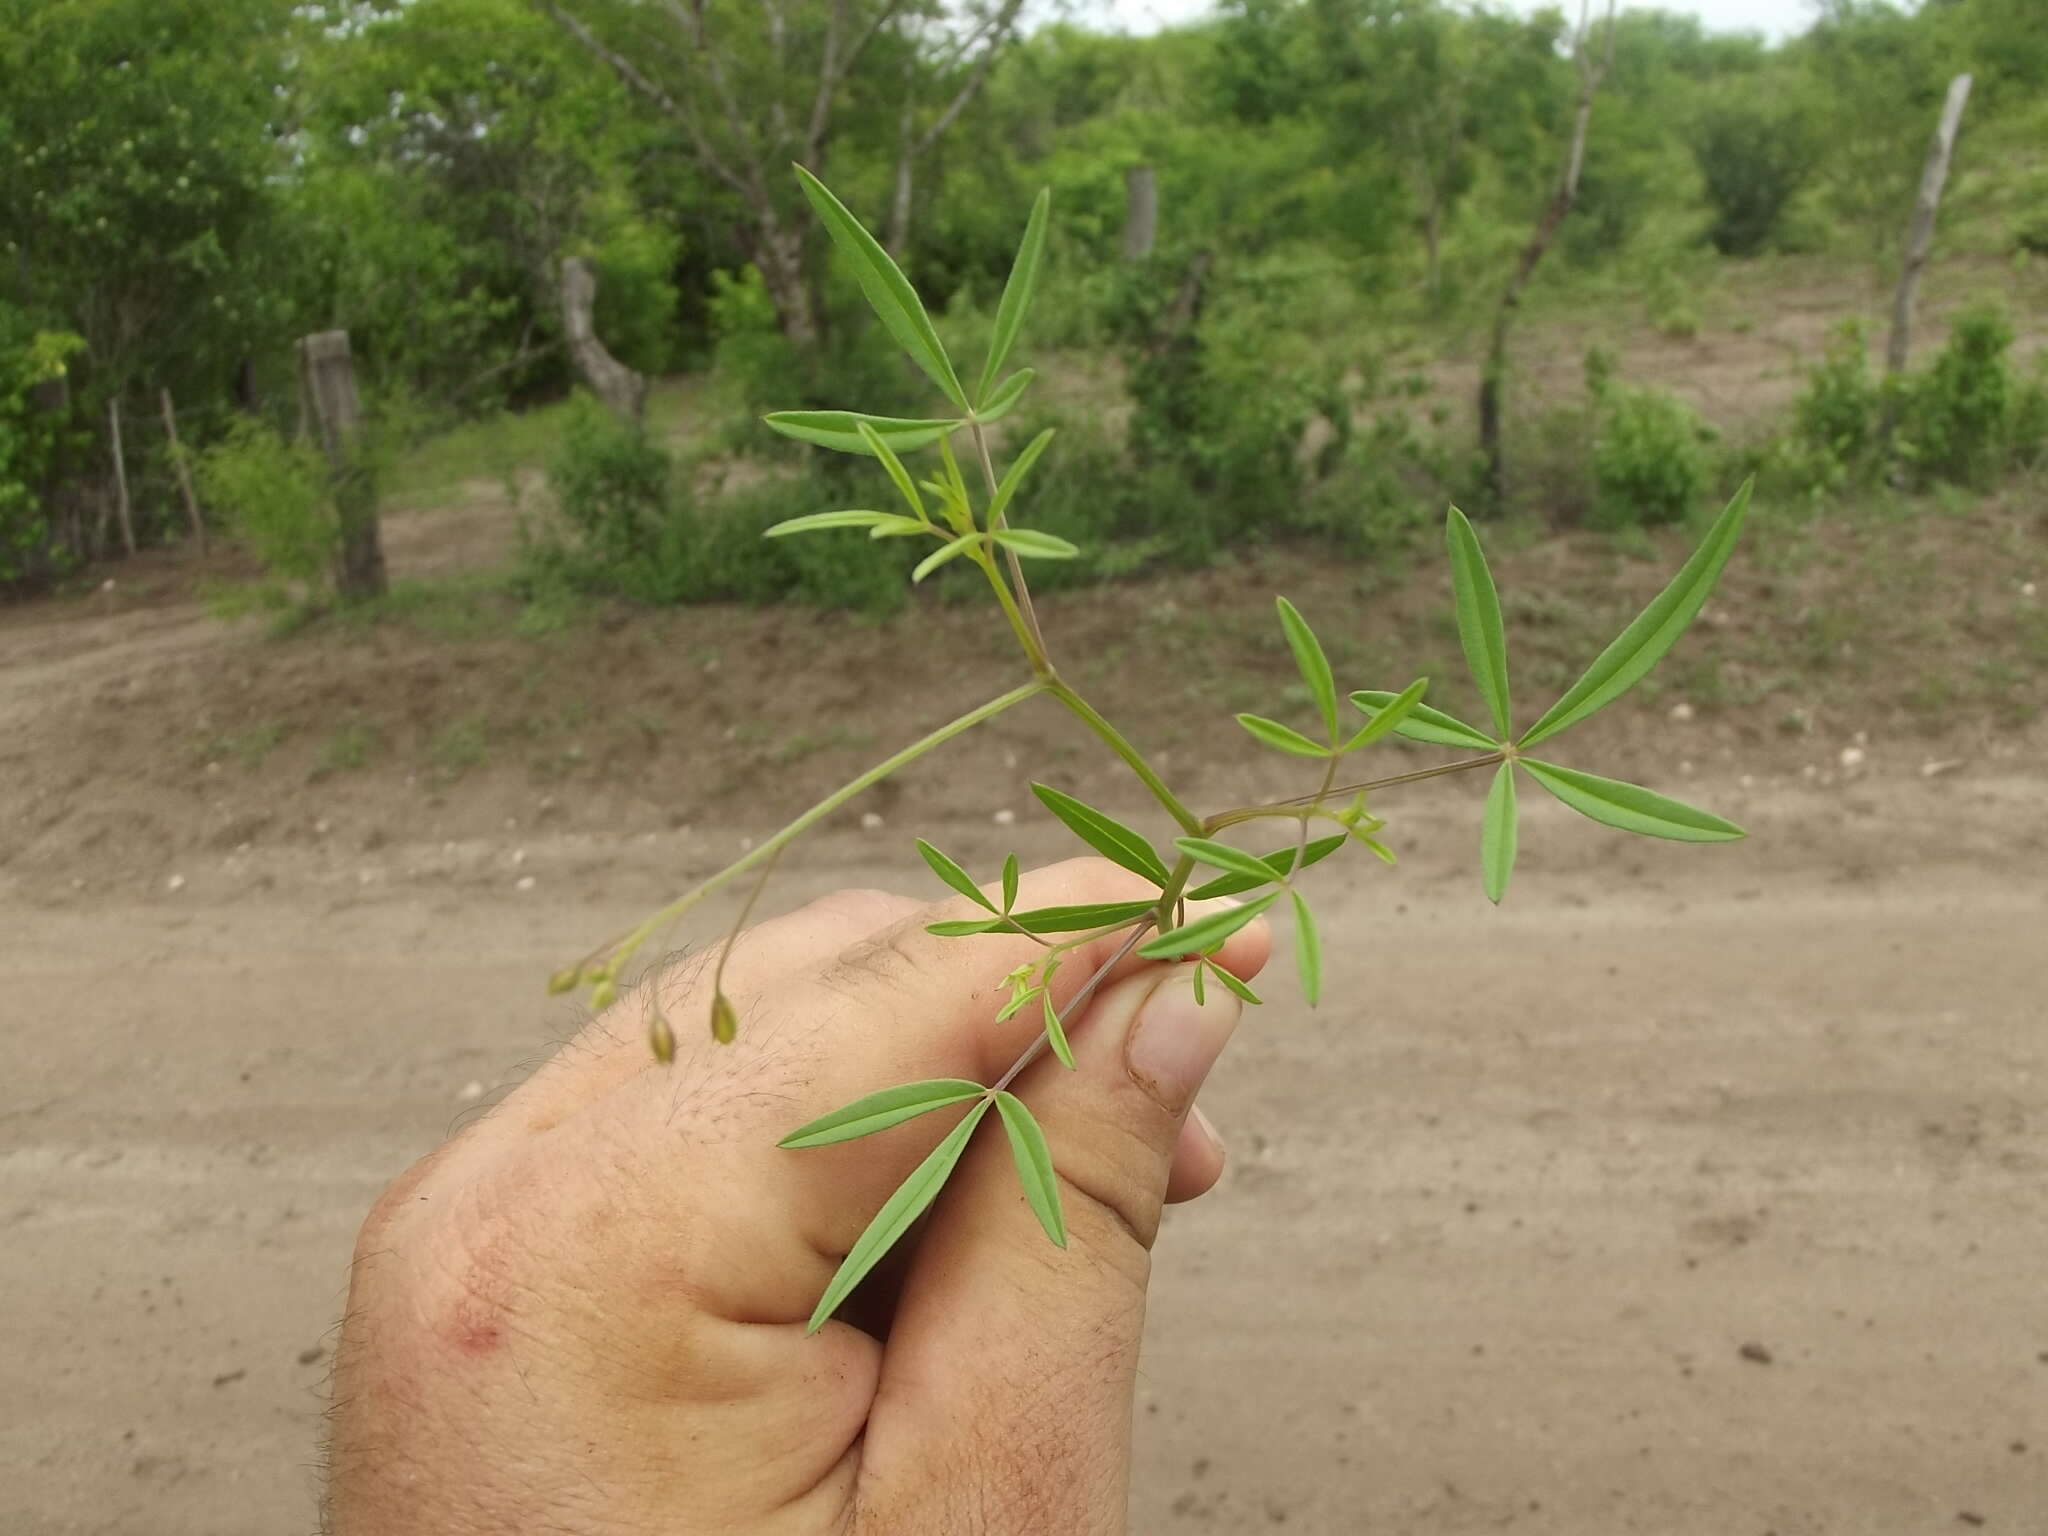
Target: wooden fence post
1933	177
184	471
327	377
120	475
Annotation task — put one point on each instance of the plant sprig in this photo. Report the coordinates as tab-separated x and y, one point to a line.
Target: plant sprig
1176	920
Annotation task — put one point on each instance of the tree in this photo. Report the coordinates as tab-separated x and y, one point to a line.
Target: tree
1493	375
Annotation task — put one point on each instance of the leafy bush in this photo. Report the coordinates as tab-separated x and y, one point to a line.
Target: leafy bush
612	484
1752	164
1649	464
31	439
275	497
1957	419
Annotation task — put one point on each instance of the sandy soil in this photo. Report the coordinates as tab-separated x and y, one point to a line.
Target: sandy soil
1692	1192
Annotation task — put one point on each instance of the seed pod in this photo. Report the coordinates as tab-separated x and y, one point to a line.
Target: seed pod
603	995
724	1022
565	980
662	1038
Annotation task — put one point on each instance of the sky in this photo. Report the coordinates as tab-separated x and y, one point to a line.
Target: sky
1775	18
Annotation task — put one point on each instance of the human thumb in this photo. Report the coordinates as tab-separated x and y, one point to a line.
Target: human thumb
1010	1363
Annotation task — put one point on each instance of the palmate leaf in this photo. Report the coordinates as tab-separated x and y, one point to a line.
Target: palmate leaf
1631	807
1278	863
878	445
1013	477
888	291
840	430
953	874
1479	623
1308	951
1310	661
880	1111
1389	716
1105	834
1206	932
1034	1166
1074	919
1006	396
1016	300
1497	834
1055	1032
1653	632
1033	545
897	1215
1281	738
1426	724
814	522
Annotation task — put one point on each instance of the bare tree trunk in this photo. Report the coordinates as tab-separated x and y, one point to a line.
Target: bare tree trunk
991	38
906	171
1493	376
183	472
1921	234
622	389
779	257
327	376
1141	212
120	476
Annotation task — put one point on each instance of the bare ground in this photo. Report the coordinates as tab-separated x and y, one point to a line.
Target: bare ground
1693	1191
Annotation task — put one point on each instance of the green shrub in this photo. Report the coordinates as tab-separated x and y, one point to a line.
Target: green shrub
32	437
276	498
1649	462
613	485
1956	420
1752	164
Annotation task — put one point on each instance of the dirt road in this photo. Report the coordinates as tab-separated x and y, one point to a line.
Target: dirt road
1691	1192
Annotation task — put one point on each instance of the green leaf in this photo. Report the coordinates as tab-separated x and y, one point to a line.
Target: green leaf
1017	1004
1426	724
1014	476
1654	631
953	874
1006	396
888	291
1310	660
897	1215
1281	738
1206	850
1205	932
1479	624
1497	834
1106	835
1389	717
1631	807
879	447
1232	984
1279	863
950	550
963	928
1078	919
1034	1166
1033	545
813	521
1056	1032
879	1111
1308	951
1009	882
1016	299
899	527
840	430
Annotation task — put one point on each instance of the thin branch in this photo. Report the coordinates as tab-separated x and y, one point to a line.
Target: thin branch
998	32
1075	1004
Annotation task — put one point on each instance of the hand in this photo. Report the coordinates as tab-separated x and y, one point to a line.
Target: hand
585	1313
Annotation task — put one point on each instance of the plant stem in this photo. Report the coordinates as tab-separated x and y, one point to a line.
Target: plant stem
618	951
1041	659
1114	740
1075	1004
1231	818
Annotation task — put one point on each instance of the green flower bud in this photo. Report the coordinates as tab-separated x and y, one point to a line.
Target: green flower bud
565	980
724	1022
603	995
